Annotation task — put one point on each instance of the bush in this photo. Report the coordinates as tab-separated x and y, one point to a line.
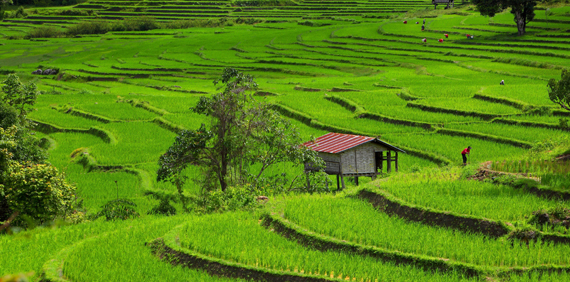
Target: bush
140	24
182	24
118	209
164	207
37	191
96	27
218	201
44	32
564	123
258	3
20	13
77	13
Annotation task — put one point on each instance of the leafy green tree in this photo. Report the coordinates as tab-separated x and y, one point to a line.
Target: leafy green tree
18	95
3	4
37	191
16	101
559	91
243	133
28	186
523	10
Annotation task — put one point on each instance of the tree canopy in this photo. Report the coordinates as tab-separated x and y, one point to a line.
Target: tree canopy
29	186
244	137
523	10
559	91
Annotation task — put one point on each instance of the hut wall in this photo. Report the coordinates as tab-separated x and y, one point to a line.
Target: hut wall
332	162
360	159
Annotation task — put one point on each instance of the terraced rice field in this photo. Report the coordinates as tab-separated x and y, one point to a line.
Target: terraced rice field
347	66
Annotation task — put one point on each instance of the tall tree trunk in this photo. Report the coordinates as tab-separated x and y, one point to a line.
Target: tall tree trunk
224	170
521	23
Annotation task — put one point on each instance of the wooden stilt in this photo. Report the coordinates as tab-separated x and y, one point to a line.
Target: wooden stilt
396	160
389	161
308	181
342	181
337	182
356	180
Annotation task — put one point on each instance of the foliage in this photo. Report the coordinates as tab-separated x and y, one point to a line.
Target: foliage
18	95
143	23
90	27
21	159
563	123
100	27
189	23
118	209
259	3
243	133
16	102
164	206
559	91
38	191
557	218
19	13
234	198
523	10
44	32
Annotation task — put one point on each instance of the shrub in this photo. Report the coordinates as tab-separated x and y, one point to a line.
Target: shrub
218	201
76	12
37	191
44	32
564	123
140	24
258	3
19	13
118	209
95	27
164	207
181	24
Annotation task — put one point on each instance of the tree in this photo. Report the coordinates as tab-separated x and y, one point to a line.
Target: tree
3	4
18	95
559	91
28	186
243	134
523	10
37	191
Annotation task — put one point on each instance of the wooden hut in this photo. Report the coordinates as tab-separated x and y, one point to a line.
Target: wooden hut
353	155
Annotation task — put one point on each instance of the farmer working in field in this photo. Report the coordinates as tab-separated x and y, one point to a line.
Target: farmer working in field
465	152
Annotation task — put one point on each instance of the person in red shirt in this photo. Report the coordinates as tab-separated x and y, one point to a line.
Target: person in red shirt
465	152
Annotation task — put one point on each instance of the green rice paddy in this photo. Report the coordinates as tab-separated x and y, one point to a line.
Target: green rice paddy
119	97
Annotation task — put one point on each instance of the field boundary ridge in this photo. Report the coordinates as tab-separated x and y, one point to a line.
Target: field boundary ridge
168	248
483	136
325	243
48	128
393	206
428	108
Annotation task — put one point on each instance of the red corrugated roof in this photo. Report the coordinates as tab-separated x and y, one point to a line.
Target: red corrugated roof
336	142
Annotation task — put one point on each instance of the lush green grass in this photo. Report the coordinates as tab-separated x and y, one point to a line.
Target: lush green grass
357	221
469	197
126	258
241	238
382	60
